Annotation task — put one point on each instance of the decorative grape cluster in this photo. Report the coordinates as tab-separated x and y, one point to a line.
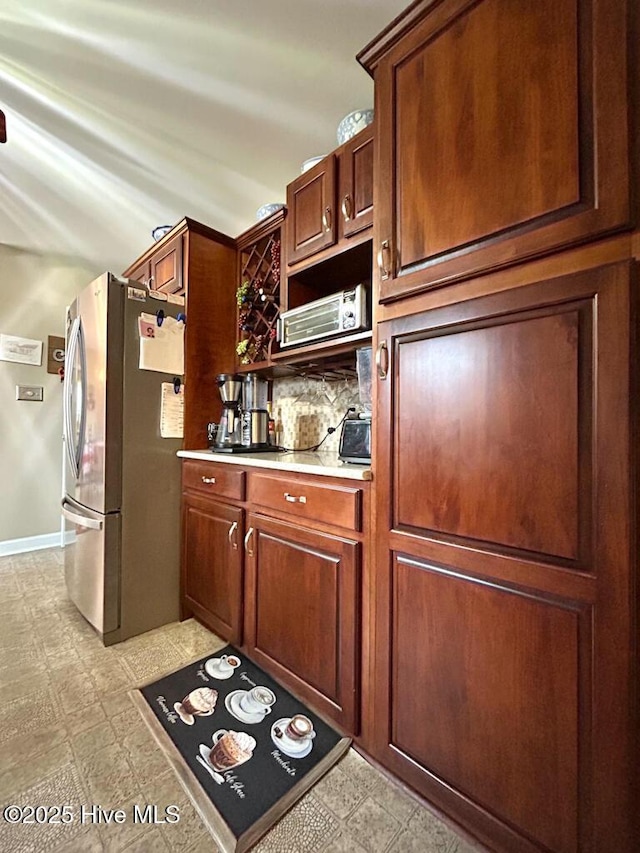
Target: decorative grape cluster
275	260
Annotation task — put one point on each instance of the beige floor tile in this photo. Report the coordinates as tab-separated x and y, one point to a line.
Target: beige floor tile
344	842
339	792
81	719
302	830
150	662
111	677
34	670
71	730
29	712
109	776
86	841
163	791
62	787
116	703
119	836
26	749
373	826
394	800
93	739
355	766
433	833
150	842
204	844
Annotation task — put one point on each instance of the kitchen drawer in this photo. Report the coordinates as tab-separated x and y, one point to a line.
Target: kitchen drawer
208	478
314	500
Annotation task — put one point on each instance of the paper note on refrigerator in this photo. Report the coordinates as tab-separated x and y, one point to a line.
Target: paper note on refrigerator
164	352
171	411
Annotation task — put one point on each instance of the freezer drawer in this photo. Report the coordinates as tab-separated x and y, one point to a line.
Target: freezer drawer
92	564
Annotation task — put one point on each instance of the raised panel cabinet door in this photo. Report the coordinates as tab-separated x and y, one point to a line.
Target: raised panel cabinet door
302	613
311	219
166	267
501	133
504	665
212	570
355	189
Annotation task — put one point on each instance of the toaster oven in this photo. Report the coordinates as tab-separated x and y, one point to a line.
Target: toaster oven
341	313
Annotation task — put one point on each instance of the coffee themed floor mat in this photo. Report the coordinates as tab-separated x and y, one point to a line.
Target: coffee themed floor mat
243	747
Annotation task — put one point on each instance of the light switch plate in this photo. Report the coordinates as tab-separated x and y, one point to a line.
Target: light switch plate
34	393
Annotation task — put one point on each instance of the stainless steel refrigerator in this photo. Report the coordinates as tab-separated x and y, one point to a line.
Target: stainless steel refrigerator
122	479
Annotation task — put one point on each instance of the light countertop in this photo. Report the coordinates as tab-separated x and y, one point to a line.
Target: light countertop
326	464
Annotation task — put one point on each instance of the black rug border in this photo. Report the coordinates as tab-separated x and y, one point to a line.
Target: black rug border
212	818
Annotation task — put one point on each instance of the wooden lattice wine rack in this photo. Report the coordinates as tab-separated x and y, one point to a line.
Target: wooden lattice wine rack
259	291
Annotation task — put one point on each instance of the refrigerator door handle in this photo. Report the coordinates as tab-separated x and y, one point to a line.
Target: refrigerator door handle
66	409
76	346
82	520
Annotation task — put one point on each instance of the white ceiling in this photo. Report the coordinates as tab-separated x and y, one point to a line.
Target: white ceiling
127	114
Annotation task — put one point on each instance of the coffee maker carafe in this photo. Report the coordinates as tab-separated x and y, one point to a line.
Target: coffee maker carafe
255	431
229	434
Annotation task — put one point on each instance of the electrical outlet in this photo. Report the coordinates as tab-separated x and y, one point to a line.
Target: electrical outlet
34	393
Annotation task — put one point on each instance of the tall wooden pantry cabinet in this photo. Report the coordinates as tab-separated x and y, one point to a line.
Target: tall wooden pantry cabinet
502	656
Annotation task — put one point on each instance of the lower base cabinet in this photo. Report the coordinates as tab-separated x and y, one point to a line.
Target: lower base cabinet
302	612
212	570
273	563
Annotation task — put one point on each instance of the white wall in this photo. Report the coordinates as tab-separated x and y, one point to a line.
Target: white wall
34	292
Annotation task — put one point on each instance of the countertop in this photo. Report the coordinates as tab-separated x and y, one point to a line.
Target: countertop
326	464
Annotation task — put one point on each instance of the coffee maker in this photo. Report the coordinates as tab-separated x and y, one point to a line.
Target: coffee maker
229	433
255	416
244	426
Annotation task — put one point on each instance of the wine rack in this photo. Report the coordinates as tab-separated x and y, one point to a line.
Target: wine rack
259	291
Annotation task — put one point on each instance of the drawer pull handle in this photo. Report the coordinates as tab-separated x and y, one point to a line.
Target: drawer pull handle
247	538
382	364
384	260
326	219
295	499
208	480
232	533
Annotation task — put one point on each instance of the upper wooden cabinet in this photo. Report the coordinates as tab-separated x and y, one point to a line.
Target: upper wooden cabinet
311	205
200	263
163	270
331	201
502	133
355	184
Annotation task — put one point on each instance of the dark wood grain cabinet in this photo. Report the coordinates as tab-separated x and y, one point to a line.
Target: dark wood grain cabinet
503	667
311	224
332	201
302	612
199	264
273	562
163	270
212	576
355	184
304	560
212	565
501	133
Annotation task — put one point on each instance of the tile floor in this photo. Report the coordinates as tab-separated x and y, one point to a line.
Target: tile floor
69	734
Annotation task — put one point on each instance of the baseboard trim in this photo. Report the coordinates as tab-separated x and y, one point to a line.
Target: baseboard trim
35	543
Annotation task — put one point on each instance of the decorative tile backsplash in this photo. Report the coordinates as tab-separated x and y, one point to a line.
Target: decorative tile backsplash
305	408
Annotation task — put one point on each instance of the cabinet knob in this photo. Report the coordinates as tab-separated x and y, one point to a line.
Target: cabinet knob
326	219
232	532
382	360
295	499
384	260
346	208
208	480
247	539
